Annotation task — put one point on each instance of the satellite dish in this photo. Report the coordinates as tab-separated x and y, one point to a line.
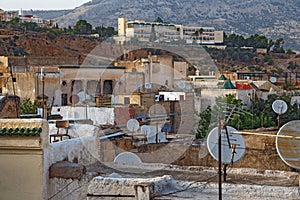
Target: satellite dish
188	87
273	79
181	85
133	125
74	99
127	158
279	107
148	85
227	152
138	86
288	148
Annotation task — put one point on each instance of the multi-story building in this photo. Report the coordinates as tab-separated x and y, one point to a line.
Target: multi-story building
166	32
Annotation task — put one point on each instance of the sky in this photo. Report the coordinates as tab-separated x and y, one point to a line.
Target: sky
40	4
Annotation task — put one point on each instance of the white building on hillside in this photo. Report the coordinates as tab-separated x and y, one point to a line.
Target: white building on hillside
166	32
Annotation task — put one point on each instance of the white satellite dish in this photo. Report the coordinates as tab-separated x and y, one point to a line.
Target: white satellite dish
128	158
273	79
227	151
279	107
133	125
148	86
288	148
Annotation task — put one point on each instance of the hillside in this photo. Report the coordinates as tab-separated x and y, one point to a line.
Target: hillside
41	45
273	18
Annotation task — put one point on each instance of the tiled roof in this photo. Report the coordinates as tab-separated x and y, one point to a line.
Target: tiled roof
228	85
243	86
20	131
222	77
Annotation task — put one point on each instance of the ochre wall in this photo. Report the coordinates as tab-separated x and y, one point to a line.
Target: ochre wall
21	174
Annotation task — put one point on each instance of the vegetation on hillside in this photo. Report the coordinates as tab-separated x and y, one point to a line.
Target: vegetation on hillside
82	27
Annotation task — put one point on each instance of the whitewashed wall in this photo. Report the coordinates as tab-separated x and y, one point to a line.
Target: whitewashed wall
97	115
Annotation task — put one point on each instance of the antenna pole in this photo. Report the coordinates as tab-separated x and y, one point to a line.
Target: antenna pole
278	121
220	159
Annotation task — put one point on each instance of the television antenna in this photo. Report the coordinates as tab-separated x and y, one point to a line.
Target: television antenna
288	147
228	110
279	107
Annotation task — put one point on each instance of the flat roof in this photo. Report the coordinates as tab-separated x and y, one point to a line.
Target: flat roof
90	67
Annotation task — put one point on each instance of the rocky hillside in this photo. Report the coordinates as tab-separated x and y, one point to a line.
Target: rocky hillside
273	18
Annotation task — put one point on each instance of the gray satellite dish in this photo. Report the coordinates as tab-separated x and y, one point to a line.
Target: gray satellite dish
188	87
227	152
273	79
133	125
279	107
288	148
181	85
127	158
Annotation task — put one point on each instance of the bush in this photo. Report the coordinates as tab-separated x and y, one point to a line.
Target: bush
28	107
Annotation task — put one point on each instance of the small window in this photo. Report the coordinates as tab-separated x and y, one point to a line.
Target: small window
126	100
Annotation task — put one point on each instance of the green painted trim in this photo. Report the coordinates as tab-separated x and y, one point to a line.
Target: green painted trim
20	131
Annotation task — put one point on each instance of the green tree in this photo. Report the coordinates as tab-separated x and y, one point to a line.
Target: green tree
105	32
28	107
202	126
83	27
289	51
278	46
159	20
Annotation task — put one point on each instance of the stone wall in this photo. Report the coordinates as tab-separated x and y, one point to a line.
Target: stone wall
260	153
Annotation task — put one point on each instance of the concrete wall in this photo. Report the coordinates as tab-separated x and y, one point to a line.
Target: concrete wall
23	168
181	113
207	97
97	115
180	70
80	150
25	160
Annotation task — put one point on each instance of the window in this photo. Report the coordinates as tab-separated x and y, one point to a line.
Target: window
93	87
126	100
108	87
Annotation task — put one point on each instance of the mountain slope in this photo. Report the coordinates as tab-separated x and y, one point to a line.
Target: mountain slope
273	18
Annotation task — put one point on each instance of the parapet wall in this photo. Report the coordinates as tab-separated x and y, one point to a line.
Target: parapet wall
26	156
22	169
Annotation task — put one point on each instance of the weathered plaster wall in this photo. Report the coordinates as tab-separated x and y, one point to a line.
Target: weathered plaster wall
22	168
97	115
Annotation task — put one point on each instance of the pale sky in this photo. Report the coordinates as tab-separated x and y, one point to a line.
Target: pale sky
40	4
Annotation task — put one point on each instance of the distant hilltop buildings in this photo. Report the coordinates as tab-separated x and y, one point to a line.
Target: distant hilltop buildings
10	15
166	32
7	16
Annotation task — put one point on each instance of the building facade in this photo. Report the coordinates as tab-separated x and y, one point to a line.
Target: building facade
165	32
